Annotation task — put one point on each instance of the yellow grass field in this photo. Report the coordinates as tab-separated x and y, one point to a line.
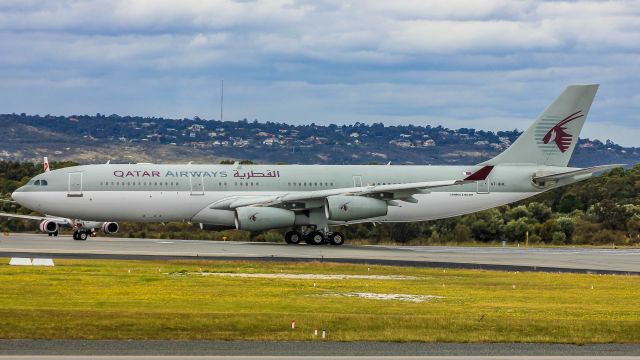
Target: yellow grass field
105	299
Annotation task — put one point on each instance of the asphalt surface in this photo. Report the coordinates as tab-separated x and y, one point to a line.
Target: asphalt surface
605	261
302	349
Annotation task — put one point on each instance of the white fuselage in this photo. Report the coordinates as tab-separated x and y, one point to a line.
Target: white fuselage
157	193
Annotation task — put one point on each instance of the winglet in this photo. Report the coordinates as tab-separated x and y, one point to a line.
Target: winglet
45	164
480	174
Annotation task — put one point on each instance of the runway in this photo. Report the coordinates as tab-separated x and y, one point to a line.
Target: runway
580	260
159	349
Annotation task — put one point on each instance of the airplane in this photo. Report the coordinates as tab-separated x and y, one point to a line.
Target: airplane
309	200
51	224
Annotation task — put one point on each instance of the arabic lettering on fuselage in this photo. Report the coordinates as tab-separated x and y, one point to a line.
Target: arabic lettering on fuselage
196	174
256	174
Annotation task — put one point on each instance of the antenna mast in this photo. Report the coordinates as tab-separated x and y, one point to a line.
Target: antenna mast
221	99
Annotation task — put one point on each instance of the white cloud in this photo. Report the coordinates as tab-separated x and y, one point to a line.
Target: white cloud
458	62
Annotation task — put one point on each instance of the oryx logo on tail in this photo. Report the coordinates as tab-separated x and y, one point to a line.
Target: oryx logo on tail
558	133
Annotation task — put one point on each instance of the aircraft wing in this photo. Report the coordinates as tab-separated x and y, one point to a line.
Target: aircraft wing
386	192
572	173
61	221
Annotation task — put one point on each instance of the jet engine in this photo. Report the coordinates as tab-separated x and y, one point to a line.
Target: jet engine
48	226
350	208
254	218
110	227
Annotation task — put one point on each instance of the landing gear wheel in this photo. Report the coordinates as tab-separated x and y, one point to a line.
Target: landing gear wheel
50	234
75	235
82	236
314	238
55	233
292	237
336	238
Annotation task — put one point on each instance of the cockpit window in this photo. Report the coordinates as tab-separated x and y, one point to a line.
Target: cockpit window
37	183
43	183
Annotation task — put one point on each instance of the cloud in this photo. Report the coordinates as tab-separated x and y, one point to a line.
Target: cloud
456	62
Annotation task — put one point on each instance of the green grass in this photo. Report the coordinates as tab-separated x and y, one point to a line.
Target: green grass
100	299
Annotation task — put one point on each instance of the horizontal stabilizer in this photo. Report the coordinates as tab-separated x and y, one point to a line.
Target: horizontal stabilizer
568	174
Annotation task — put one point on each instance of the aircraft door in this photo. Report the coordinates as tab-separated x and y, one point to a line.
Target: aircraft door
482	186
357	180
75	184
197	184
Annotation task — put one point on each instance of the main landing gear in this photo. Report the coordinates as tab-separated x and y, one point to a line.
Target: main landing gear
314	237
55	233
82	235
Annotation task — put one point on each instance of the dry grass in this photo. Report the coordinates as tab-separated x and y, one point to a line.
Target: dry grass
100	299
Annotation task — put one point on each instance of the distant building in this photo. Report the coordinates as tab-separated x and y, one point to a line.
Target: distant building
401	143
271	141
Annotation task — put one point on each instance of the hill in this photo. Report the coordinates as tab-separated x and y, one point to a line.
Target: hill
86	139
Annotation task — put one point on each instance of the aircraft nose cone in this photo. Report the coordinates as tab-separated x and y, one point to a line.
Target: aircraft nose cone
18	195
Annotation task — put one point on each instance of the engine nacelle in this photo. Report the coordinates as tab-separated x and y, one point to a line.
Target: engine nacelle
253	218
48	226
350	208
110	227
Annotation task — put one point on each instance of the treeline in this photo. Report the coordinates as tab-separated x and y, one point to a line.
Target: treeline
603	210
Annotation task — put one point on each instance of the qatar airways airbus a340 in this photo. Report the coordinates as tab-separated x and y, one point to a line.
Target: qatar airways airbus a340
310	199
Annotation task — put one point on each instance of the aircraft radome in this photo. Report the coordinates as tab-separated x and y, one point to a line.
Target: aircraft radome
52	224
310	199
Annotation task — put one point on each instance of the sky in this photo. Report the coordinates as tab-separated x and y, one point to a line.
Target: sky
491	64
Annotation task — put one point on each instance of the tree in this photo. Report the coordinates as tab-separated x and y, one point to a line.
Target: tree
486	225
404	232
515	230
540	211
515	213
568	227
611	215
